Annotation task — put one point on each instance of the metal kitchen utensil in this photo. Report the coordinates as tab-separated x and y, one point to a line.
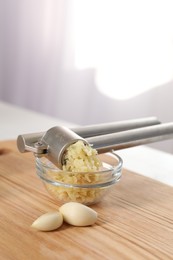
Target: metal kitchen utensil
30	142
55	141
27	141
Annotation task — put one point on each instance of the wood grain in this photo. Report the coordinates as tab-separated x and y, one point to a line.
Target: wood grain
135	219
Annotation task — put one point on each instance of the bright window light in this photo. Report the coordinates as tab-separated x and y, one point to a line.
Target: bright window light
129	43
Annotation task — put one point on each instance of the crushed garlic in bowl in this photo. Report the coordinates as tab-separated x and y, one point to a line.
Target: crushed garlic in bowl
85	177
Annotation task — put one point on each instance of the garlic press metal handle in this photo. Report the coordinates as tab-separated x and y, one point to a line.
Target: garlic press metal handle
32	142
114	127
130	138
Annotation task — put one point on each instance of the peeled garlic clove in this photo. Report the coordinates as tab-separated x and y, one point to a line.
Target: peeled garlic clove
77	214
48	221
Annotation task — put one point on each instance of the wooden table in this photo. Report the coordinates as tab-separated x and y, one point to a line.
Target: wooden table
135	220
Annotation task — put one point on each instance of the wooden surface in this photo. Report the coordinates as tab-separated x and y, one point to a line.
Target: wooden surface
135	221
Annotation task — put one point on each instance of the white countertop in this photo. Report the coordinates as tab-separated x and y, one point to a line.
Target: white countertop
142	159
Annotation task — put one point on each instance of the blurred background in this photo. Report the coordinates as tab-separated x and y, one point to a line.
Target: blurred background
88	62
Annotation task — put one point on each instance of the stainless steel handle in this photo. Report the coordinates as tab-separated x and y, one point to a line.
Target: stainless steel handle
113	127
30	142
130	138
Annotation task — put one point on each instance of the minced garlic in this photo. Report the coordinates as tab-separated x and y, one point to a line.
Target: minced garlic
80	157
80	167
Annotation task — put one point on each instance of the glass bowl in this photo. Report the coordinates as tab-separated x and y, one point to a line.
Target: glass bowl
83	187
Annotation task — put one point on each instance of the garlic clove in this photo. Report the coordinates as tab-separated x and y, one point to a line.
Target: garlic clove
77	214
48	221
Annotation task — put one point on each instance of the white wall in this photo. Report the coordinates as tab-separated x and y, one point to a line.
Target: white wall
34	72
